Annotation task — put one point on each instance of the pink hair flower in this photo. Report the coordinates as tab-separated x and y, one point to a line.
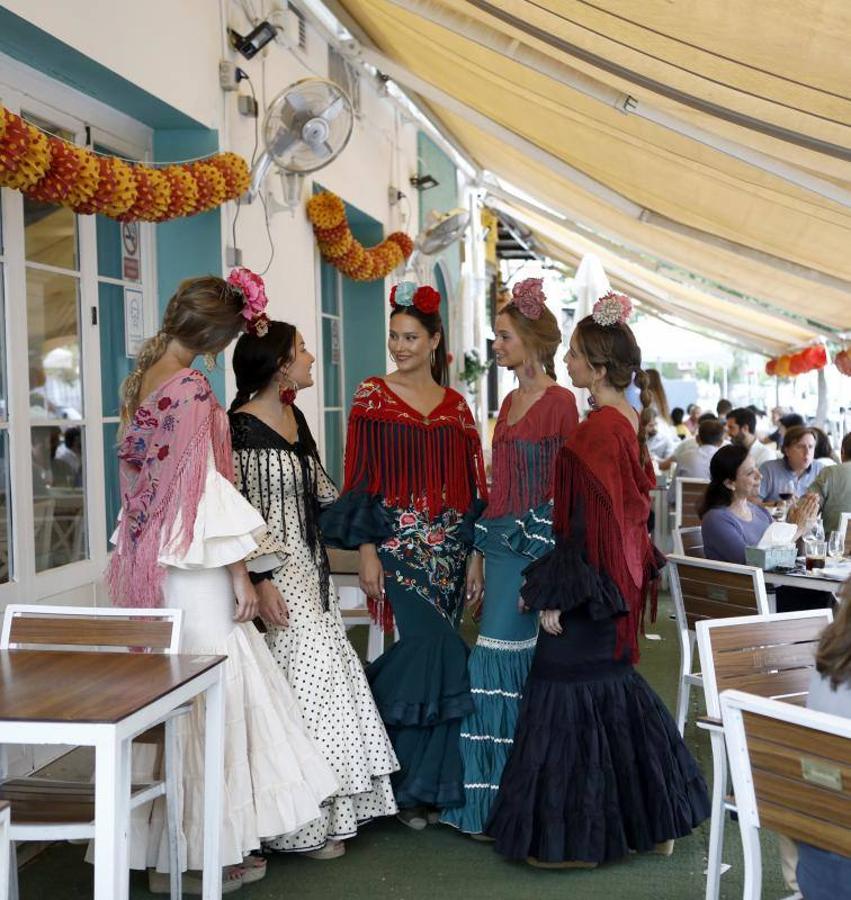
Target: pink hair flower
529	297
612	309
253	290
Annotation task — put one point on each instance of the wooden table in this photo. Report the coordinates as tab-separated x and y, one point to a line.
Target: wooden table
104	700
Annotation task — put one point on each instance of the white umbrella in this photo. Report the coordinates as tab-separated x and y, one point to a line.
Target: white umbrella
589	284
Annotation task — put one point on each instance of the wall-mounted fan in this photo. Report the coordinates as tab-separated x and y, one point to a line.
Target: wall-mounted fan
441	231
306	127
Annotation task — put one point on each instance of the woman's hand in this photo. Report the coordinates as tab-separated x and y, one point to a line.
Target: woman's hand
475	579
804	513
371	572
551	621
273	609
247	602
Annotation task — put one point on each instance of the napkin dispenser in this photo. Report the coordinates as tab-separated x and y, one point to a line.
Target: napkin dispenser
776	548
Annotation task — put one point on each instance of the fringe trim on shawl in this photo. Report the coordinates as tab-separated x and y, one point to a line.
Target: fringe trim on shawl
522	475
134	576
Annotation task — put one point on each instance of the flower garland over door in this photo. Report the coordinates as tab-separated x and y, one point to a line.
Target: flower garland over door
338	246
52	170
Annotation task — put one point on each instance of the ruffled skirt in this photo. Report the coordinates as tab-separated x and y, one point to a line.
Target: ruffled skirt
598	767
339	712
275	778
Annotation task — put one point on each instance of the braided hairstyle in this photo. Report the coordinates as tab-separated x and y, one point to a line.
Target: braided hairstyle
615	348
204	314
257	359
542	337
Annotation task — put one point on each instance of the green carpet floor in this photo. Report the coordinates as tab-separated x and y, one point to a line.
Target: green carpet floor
389	862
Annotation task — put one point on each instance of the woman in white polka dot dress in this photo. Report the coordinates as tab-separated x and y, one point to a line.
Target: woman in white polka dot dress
278	470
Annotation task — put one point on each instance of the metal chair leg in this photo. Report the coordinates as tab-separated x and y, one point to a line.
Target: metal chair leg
716	825
753	862
173	817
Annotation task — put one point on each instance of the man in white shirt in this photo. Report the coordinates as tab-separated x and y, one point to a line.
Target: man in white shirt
660	437
694	461
741	429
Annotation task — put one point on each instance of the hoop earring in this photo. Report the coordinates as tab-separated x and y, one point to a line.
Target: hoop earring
209	361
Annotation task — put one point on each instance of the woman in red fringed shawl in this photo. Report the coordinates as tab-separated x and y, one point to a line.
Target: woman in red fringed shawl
183	534
414	471
598	767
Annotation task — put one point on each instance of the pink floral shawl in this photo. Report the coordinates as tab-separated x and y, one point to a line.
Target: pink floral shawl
163	468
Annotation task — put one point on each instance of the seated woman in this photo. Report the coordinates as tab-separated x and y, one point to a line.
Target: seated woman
823	875
731	521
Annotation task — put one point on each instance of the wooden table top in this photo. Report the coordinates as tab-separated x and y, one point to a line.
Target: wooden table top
66	686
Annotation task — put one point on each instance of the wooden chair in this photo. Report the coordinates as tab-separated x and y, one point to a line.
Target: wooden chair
688	493
49	809
344	571
689	541
768	655
791	771
708	589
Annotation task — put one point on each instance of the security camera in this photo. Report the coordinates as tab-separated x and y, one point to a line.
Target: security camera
254	41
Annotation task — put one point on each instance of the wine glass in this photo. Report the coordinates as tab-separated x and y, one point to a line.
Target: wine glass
787	490
835	548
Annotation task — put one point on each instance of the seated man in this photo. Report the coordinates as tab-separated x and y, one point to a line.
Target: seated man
833	487
795	472
660	437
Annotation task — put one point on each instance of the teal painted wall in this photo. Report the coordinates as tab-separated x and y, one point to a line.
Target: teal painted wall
188	247
432	160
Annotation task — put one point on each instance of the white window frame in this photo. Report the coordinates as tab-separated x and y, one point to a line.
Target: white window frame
22	87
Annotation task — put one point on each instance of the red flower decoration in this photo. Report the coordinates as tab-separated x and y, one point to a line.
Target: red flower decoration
162	453
426	300
164	403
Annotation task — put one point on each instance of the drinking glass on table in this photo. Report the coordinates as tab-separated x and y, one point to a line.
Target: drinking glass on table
816	554
835	546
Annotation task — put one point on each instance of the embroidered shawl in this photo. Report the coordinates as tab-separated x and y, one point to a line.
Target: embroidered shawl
524	453
163	469
406	458
600	478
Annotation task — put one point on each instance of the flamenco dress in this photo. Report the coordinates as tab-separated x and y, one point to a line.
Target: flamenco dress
515	529
411	489
286	483
597	767
275	777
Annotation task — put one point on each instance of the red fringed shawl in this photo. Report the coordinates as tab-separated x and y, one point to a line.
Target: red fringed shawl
394	451
599	469
524	453
163	470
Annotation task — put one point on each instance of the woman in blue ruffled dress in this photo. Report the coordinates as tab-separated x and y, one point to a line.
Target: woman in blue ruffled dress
414	476
534	421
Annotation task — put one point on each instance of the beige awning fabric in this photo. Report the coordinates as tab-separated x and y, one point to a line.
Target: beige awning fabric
752	327
777	84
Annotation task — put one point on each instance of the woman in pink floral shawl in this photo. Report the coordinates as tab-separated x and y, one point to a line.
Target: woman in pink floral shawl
182	541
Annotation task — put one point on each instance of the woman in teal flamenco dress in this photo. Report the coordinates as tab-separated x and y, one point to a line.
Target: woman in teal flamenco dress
414	483
534	421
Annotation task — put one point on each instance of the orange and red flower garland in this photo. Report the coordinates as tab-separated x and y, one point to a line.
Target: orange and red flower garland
337	244
54	171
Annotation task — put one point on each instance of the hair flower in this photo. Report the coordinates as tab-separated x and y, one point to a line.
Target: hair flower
254	299
407	293
529	297
612	309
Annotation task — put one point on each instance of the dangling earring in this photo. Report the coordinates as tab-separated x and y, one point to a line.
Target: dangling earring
432	358
209	361
287	391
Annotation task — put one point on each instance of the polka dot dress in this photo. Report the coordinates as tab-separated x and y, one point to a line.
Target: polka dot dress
318	661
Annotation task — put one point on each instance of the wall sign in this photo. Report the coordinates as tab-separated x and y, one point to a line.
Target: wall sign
134	321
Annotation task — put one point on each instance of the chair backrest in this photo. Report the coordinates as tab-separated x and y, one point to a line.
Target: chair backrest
845	531
688	494
91	628
689	541
343	562
707	589
791	769
769	655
